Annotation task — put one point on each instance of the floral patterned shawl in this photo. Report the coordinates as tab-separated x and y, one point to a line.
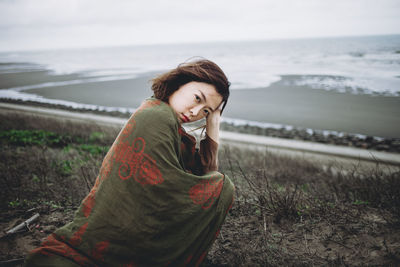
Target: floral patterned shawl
144	209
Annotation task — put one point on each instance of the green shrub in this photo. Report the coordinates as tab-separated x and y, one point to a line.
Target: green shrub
32	137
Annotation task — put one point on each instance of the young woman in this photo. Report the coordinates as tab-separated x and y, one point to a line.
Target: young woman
157	201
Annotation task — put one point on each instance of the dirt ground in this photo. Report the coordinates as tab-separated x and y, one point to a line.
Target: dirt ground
287	211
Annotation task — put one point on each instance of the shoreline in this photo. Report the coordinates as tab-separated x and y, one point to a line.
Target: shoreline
286	137
282	110
282	103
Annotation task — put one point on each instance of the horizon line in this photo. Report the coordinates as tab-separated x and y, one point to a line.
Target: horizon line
196	42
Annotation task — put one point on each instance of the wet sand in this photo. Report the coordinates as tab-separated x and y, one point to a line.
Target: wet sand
8	80
300	106
127	93
318	109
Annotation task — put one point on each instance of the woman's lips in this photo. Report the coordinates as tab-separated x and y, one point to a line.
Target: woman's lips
184	118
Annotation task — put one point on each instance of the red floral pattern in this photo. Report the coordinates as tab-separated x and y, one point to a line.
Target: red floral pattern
88	202
52	246
99	250
76	239
201	258
206	192
132	159
135	163
189	258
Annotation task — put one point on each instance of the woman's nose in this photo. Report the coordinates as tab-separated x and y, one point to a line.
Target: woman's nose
195	110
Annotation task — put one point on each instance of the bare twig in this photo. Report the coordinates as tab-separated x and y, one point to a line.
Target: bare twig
251	184
265	224
32	209
23	224
85	178
340	243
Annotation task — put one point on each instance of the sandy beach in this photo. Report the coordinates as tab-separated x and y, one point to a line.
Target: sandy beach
302	106
29	77
298	106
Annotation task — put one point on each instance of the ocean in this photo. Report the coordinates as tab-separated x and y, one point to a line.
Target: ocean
368	66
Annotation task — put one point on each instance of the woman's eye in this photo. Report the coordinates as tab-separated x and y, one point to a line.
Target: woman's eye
206	111
198	98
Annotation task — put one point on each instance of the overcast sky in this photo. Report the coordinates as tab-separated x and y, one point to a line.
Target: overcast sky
33	24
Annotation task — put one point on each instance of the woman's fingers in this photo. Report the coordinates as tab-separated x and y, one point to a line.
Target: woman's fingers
212	125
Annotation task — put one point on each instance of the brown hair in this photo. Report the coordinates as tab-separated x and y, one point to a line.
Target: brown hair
202	70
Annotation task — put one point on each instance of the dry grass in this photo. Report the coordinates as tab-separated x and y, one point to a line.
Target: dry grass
288	211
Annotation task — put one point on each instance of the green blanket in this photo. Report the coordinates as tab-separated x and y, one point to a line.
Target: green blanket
144	209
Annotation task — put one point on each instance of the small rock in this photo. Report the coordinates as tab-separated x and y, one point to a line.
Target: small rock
374	253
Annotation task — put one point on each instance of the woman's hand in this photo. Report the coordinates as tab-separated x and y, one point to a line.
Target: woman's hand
212	124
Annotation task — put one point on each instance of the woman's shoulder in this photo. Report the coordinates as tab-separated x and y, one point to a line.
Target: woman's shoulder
153	110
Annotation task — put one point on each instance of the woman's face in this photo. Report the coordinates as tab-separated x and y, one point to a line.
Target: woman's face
194	101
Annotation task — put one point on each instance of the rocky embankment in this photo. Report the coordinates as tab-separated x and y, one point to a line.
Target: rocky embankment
343	139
